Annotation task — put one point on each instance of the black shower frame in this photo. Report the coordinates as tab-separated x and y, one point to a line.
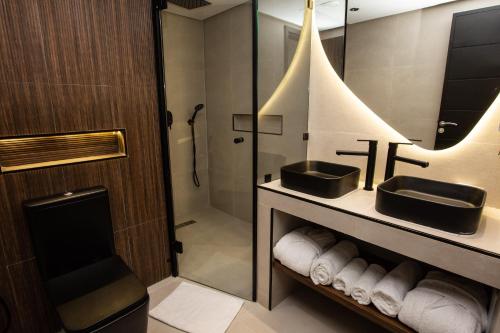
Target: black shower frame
157	7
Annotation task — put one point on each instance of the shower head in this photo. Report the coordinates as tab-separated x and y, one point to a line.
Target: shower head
197	108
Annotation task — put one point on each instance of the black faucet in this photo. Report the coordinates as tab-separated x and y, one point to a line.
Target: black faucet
392	157
370	166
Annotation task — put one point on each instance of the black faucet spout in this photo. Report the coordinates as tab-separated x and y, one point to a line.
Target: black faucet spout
370	165
422	164
392	157
351	153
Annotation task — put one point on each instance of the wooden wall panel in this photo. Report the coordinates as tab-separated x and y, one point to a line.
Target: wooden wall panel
14	189
79	65
141	203
34	311
25	108
6	294
21	42
77	36
84	107
143	259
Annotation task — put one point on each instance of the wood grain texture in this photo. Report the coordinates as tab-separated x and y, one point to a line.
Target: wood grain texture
15	189
78	40
8	297
98	42
144	260
25	108
141	203
122	246
84	107
21	42
31	301
80	65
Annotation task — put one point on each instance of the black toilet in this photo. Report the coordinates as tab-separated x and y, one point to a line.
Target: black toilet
90	286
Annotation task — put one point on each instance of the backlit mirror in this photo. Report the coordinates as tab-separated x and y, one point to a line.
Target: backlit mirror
429	68
283	103
330	20
280	24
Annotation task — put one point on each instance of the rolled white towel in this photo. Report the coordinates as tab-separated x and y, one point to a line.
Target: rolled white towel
389	293
349	275
323	237
324	268
444	303
362	289
297	249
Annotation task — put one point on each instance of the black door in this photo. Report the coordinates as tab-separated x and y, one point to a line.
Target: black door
472	78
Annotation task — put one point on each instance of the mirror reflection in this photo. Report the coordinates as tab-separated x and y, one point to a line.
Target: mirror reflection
330	20
429	68
282	117
280	23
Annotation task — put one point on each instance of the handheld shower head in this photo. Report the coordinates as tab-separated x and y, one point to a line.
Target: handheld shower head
197	108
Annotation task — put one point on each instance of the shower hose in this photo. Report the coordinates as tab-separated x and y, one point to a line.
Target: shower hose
196	181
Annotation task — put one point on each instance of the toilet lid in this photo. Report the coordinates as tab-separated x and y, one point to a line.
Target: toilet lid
96	295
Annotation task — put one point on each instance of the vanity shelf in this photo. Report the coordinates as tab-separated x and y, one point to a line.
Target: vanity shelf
369	312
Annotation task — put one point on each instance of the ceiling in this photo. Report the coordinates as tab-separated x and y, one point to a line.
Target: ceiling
372	9
287	10
329	13
202	13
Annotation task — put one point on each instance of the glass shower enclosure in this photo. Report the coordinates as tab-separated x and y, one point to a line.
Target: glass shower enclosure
208	69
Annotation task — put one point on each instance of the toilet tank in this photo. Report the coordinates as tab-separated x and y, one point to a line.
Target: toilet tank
70	231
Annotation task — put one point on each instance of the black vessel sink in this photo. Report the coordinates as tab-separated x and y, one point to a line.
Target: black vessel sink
449	207
322	179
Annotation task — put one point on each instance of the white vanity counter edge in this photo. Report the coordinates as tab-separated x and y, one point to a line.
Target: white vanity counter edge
475	256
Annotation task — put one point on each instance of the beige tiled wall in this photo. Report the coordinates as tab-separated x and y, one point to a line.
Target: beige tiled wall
185	74
228	60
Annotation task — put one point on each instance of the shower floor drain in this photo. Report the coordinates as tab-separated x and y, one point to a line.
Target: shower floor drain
185	224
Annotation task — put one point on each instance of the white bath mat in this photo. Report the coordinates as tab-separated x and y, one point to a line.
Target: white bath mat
196	309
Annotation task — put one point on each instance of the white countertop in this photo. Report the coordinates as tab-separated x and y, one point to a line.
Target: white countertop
362	203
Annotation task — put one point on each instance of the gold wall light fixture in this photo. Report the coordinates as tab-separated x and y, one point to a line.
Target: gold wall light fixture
34	152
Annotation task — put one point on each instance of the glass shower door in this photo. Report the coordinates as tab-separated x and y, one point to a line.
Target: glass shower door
208	65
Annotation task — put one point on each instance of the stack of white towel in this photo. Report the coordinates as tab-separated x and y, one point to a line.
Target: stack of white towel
340	268
444	303
309	251
298	249
441	303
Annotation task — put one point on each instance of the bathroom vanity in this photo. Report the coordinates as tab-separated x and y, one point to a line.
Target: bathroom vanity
280	210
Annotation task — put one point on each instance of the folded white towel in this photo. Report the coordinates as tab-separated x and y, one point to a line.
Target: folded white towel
362	289
324	268
297	249
349	275
389	293
444	303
